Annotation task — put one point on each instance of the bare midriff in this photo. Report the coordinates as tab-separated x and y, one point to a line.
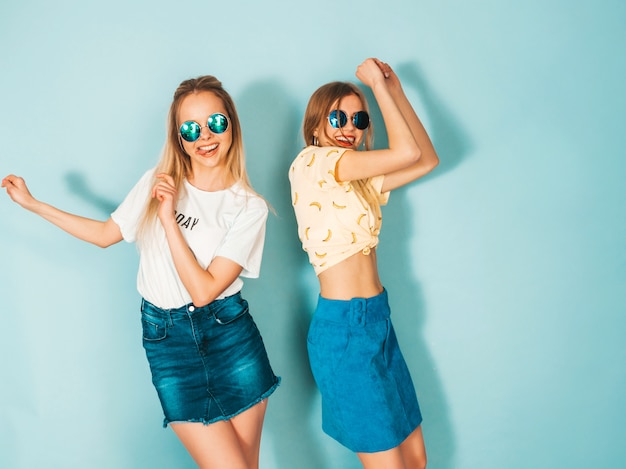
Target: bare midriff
354	277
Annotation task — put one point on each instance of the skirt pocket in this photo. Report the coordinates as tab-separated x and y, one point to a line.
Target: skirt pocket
154	328
230	311
327	345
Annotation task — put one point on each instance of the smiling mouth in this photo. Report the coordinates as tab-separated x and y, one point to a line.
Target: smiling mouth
205	149
345	141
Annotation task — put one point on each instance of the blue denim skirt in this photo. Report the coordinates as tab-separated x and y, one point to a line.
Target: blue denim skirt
208	363
368	399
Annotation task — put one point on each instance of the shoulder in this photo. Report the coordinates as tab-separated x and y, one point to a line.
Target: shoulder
246	198
314	155
147	176
145	181
315	164
141	187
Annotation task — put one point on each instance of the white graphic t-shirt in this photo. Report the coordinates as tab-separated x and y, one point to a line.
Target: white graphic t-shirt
228	223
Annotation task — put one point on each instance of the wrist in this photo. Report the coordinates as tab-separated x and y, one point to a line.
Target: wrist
35	206
168	222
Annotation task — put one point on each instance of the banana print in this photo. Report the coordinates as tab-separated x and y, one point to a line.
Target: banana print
342	223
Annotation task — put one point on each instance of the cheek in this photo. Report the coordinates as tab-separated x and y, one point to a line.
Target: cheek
325	133
186	146
323	139
227	141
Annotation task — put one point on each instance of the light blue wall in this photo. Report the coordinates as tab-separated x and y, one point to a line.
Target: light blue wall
506	267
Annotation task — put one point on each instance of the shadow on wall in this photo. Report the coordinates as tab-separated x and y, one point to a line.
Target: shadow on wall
408	305
446	132
77	184
271	123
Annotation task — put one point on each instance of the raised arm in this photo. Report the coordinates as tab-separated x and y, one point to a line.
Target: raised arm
204	285
403	149
100	233
410	154
429	159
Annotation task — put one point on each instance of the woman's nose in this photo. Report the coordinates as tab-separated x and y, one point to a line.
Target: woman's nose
205	132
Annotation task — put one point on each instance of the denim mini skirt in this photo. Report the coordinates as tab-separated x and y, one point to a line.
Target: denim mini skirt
368	398
208	363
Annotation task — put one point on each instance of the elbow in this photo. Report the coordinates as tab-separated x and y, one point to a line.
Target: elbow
433	162
416	154
405	152
104	243
199	302
108	235
429	160
202	300
411	155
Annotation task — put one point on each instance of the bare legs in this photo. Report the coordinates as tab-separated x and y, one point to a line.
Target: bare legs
410	454
233	443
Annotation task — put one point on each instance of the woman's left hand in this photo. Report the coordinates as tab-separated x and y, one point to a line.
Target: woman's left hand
392	80
165	192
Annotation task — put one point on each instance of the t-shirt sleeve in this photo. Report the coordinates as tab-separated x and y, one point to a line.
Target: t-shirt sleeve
128	214
320	164
377	184
245	239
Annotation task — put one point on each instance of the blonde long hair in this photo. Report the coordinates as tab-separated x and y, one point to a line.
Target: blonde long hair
315	117
175	162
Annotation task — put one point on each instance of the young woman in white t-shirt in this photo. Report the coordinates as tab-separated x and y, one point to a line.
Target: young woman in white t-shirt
199	227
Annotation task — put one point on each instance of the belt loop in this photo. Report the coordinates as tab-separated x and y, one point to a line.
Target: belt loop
358	308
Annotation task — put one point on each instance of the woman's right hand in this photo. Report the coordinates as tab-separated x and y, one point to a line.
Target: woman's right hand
100	233
370	72
18	191
165	191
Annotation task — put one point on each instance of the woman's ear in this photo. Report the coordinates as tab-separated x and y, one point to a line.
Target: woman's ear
315	140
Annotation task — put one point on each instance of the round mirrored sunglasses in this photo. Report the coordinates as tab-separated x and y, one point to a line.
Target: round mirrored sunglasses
338	119
190	130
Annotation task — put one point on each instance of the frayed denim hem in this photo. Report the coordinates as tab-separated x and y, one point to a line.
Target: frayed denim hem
204	421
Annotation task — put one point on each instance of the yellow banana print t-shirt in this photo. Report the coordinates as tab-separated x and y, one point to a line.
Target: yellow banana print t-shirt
333	222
